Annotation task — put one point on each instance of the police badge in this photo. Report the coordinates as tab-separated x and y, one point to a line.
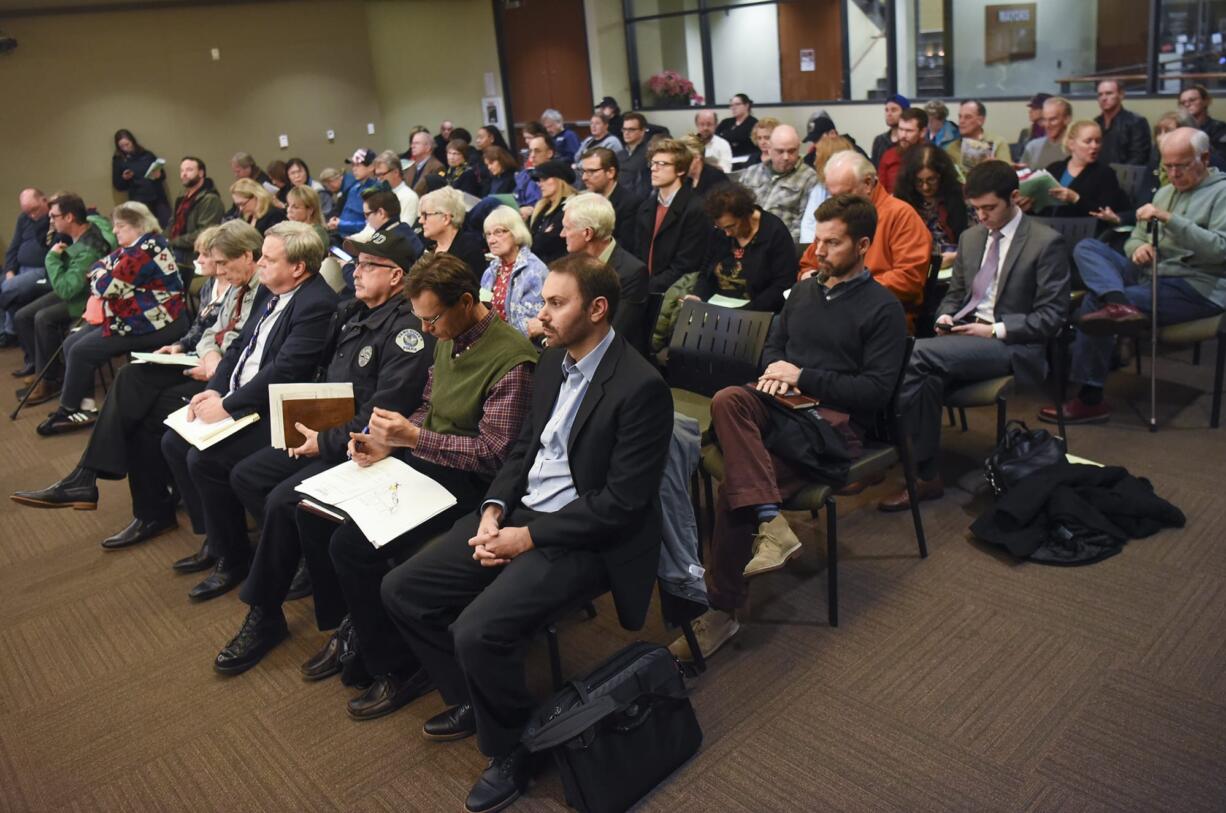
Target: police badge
410	341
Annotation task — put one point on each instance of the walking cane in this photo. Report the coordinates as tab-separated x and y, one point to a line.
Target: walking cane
43	372
1153	327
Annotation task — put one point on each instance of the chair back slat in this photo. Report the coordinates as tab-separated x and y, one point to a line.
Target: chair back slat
1132	178
1074	229
713	347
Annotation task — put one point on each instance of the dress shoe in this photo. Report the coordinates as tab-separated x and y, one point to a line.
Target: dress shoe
1078	411
388	693
225	577
774	545
60	495
455	723
261	631
40	393
139	530
325	663
501	783
1112	318
712	629
301	586
63	421
932	489
23	371
198	561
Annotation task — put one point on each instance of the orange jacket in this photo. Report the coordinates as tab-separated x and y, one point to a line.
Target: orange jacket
900	253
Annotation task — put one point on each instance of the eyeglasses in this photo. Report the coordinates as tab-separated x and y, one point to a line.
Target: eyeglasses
55	215
497	232
429	321
661	164
430	214
383	174
367	265
592	171
1179	169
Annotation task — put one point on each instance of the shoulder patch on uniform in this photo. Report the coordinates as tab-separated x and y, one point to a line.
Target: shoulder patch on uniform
410	341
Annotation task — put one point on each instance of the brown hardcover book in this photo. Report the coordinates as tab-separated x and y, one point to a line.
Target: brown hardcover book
314	413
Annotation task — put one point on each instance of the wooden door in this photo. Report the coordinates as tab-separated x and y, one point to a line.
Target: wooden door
816	25
544	47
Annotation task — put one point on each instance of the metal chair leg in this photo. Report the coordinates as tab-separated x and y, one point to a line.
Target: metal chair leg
832	562
1001	407
1196	355
908	473
555	657
1061	385
949	411
42	374
700	661
962	417
1217	382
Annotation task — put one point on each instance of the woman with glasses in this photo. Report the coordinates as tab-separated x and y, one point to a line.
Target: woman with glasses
514	277
752	257
441	214
254	204
460	175
738	128
929	182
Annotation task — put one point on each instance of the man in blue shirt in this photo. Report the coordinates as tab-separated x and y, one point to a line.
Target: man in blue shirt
23	261
565	142
573	512
351	219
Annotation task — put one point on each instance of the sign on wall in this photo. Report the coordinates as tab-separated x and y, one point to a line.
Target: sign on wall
1009	32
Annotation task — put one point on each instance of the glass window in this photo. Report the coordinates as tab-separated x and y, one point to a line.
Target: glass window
669	51
745	52
1190	42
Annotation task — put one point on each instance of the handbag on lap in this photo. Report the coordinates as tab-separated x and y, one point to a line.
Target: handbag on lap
620	731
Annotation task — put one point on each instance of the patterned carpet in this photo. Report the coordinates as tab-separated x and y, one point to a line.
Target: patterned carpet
964	682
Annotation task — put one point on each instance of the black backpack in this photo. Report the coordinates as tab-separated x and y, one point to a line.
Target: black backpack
620	731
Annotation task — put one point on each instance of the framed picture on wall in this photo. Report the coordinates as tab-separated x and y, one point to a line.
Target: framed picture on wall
1009	32
493	113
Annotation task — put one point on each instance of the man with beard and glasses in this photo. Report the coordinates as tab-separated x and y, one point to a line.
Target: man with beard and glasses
839	340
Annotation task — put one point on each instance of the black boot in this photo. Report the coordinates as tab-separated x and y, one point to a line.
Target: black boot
261	631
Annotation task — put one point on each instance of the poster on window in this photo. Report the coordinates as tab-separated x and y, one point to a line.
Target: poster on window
492	112
1009	33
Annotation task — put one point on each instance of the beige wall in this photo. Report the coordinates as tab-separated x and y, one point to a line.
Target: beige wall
79	77
429	60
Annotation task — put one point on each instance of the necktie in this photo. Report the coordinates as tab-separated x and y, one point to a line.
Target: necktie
984	277
236	380
237	314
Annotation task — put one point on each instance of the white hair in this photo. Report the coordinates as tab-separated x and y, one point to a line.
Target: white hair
1200	142
552	115
509	219
589	210
447	200
857	163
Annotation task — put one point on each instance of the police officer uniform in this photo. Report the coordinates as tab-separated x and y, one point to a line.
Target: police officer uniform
386	356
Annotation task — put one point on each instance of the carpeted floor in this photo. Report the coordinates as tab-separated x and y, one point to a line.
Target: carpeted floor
967	681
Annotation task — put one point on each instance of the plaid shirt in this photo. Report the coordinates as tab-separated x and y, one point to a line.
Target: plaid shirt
504	411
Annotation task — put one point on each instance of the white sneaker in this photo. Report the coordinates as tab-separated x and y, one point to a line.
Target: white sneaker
775	544
712	629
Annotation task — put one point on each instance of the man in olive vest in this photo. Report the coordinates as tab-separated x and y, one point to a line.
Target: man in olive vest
476	398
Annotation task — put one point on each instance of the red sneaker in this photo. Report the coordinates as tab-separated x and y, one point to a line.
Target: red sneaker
1113	318
1078	411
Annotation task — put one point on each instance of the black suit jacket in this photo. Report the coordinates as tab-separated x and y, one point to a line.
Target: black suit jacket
626	207
291	352
1032	290
617	450
681	244
630	321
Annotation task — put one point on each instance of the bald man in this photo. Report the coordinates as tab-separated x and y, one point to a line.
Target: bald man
899	254
782	184
1191	215
715	147
24	260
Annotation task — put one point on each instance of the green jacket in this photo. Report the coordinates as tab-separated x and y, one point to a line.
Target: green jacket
206	210
1192	244
68	271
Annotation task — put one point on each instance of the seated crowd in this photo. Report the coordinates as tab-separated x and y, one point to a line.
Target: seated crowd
495	315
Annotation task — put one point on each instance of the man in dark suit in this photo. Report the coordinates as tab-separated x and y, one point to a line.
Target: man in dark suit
1008	295
601	174
587	227
279	346
672	227
573	512
422	163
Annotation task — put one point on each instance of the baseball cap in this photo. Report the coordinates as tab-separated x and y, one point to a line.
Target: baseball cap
362	156
554	169
1036	101
389	245
821	126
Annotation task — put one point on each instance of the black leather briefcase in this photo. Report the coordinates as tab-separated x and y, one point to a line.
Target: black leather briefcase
620	731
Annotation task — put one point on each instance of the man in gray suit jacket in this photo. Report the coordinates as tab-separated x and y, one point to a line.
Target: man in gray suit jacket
1008	295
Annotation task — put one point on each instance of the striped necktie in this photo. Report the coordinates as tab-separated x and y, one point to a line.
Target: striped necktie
236	380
